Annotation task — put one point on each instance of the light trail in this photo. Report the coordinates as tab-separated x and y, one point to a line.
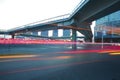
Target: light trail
41	41
32	58
16	56
114	53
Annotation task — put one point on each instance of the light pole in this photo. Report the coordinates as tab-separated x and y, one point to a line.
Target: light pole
102	37
103	34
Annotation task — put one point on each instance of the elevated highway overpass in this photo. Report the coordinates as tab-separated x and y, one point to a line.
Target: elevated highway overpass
80	19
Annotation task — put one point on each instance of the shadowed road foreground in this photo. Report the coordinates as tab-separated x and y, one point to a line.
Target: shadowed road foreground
88	62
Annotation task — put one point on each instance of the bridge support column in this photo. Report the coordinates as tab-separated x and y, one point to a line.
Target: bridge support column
74	46
88	39
86	30
13	36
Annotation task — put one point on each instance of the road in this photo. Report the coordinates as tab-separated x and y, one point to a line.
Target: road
59	62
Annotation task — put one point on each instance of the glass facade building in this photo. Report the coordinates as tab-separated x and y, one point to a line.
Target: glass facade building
55	33
44	33
108	28
35	33
66	33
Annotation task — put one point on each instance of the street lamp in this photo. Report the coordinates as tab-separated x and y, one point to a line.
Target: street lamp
103	34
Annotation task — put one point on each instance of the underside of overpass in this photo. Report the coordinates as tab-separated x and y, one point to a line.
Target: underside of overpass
91	11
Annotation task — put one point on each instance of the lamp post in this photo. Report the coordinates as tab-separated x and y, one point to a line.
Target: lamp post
103	34
102	37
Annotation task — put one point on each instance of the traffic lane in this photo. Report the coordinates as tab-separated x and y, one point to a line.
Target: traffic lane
48	59
102	69
33	68
10	64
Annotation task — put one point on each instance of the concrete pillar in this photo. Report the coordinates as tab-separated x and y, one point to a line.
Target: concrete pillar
13	36
74	46
86	30
88	39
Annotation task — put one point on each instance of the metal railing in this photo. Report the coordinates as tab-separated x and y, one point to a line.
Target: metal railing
45	21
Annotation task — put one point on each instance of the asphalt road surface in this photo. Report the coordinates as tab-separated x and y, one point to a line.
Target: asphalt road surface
60	62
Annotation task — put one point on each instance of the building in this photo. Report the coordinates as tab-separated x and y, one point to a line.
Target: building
66	33
44	33
55	33
107	28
